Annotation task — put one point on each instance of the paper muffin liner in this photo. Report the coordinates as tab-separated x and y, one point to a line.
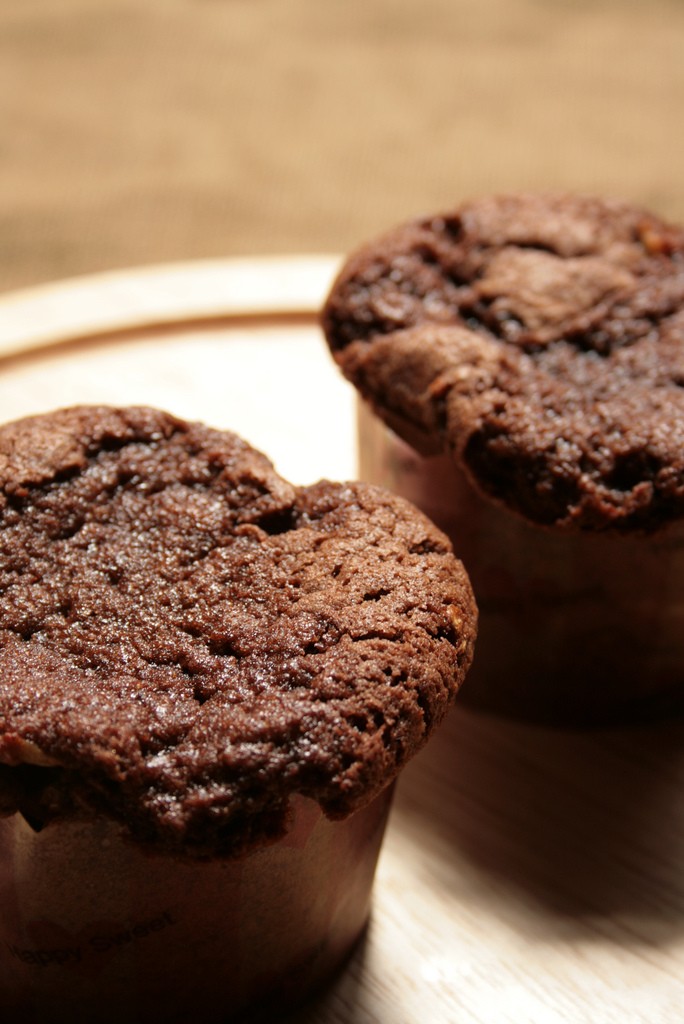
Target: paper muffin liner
96	928
574	627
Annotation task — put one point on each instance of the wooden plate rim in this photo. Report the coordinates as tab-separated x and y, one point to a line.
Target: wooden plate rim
201	292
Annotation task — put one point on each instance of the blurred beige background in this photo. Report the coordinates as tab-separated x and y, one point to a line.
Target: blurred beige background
140	131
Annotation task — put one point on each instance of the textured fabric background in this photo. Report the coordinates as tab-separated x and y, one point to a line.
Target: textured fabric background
138	131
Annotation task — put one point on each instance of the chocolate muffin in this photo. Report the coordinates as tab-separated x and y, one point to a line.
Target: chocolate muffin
529	351
205	670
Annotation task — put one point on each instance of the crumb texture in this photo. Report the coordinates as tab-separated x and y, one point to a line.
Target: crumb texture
540	341
186	640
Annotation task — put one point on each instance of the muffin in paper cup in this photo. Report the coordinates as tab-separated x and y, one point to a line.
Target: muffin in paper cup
520	363
210	681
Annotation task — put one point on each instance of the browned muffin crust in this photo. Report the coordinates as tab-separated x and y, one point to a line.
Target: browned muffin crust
540	340
186	639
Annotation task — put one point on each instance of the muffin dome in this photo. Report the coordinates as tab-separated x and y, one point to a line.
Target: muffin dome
537	339
186	639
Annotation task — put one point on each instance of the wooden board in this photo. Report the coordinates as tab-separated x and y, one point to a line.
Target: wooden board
530	875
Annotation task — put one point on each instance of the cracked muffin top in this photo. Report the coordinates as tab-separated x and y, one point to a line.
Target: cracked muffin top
186	639
537	339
